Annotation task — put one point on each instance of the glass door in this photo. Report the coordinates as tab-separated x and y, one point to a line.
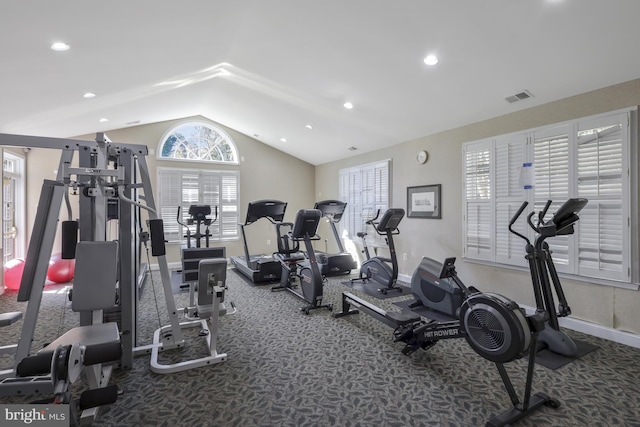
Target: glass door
13	230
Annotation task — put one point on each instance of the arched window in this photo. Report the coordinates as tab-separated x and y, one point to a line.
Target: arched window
198	141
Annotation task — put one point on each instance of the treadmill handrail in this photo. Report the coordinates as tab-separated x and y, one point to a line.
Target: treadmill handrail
273	210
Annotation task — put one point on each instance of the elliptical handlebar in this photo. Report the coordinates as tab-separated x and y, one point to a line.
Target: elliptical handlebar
561	223
543	212
178	219
515	218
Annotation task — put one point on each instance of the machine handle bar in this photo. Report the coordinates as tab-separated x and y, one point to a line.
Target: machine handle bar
515	218
518	213
372	220
543	212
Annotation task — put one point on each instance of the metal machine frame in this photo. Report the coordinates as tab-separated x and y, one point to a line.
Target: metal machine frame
107	173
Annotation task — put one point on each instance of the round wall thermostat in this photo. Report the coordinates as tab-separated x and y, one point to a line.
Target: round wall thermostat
422	157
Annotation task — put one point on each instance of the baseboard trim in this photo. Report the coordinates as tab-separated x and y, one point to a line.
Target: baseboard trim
600	331
593	329
404	278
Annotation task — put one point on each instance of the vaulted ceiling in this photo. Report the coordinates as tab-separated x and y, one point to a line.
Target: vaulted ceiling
281	71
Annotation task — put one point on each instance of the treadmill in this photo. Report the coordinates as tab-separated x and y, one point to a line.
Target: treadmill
342	262
260	268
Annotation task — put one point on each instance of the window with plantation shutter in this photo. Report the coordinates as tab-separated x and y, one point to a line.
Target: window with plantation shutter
586	158
510	155
551	159
365	189
602	178
185	187
478	215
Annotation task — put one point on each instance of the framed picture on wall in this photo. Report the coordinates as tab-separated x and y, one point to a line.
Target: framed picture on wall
424	201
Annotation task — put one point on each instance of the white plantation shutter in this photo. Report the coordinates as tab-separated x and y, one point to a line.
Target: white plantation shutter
586	158
551	161
478	231
179	187
478	218
365	189
602	170
510	155
228	214
169	198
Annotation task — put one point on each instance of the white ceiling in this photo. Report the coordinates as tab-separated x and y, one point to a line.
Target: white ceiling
270	67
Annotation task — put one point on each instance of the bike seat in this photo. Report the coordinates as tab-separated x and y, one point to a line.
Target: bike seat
361	234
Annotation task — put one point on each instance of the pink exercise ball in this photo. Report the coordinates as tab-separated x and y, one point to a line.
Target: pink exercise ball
60	270
13	273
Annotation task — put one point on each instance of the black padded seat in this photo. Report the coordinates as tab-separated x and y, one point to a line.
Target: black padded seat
292	257
403	317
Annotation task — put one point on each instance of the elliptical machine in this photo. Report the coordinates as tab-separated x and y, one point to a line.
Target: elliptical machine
296	264
543	271
198	216
380	269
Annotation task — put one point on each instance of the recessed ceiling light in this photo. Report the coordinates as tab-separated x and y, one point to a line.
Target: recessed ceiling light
283	139
104	120
60	46
89	95
431	60
309	127
348	105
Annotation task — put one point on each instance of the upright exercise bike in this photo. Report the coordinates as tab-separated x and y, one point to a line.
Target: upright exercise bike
380	269
295	264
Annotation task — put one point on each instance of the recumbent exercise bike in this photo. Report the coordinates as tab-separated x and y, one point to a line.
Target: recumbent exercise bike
380	269
295	264
494	326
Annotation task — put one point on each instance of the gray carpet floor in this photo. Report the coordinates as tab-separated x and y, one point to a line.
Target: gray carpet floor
288	369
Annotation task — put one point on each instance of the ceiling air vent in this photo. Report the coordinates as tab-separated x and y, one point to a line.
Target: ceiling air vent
519	96
352	148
